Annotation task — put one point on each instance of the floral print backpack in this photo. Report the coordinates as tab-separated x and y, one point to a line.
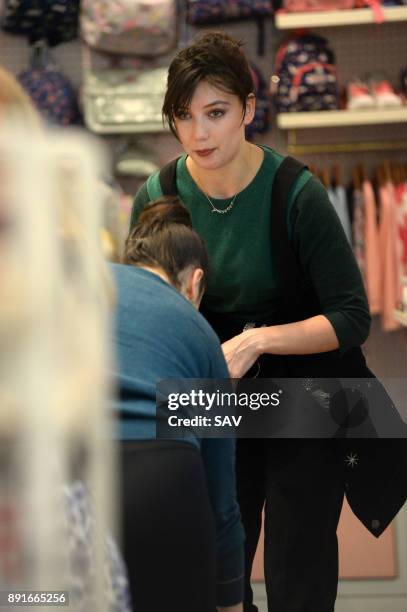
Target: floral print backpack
145	28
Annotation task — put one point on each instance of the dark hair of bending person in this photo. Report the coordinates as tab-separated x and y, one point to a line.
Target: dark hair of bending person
163	240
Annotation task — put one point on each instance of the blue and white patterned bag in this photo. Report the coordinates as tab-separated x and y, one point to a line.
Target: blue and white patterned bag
202	12
82	556
50	90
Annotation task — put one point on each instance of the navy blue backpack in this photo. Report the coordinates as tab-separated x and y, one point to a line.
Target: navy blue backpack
202	12
206	12
305	66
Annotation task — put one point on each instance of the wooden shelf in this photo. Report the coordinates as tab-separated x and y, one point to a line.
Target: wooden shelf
341	118
291	21
401	317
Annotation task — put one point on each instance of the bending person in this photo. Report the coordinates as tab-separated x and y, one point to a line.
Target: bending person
179	558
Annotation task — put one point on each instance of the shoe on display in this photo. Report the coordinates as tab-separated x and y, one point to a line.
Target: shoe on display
384	94
359	96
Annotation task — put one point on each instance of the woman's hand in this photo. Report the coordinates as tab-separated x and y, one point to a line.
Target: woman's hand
242	351
313	335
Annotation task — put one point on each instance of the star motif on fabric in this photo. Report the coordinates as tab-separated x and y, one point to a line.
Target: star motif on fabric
308	383
352	460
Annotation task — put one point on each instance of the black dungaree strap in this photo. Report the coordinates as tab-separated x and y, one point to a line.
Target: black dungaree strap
284	257
168	178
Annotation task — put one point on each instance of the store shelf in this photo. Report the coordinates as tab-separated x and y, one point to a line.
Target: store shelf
401	317
289	21
341	118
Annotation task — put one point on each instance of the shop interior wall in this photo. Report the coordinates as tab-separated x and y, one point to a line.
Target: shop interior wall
360	50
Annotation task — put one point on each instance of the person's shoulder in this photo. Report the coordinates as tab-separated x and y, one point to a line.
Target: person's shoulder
149	190
194	333
313	212
143	194
311	190
145	291
140	200
125	277
136	279
270	152
314	186
116	269
196	319
140	292
195	328
120	269
271	155
162	297
271	163
163	178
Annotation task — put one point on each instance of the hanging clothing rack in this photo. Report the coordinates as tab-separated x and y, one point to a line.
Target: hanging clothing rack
293	148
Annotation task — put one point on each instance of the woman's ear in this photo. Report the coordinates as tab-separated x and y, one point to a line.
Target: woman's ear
191	286
250	109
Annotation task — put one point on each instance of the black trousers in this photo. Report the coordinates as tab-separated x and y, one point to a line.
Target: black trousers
299	484
168	529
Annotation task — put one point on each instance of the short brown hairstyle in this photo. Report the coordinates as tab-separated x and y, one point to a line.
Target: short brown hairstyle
214	57
163	237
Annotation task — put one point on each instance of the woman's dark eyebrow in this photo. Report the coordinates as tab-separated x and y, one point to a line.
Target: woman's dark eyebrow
217	102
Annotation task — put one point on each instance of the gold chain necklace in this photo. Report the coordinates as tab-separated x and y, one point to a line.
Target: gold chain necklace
213	207
218	210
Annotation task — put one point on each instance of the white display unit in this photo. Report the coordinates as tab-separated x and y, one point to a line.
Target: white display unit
401	317
290	21
341	118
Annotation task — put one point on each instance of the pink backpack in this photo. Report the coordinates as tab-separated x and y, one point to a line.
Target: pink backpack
145	28
317	5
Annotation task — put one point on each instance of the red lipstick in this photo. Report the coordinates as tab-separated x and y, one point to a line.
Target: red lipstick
204	152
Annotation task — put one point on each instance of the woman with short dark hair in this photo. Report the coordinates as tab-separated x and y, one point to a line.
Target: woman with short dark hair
285	296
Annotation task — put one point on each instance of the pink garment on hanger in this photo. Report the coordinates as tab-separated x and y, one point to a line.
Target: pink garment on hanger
391	256
401	199
373	267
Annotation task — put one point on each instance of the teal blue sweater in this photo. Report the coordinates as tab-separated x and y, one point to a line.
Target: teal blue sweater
158	335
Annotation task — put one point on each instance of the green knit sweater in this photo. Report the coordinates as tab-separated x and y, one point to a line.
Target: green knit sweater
242	277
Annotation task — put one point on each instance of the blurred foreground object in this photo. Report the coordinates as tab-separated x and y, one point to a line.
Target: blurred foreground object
14	98
55	296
